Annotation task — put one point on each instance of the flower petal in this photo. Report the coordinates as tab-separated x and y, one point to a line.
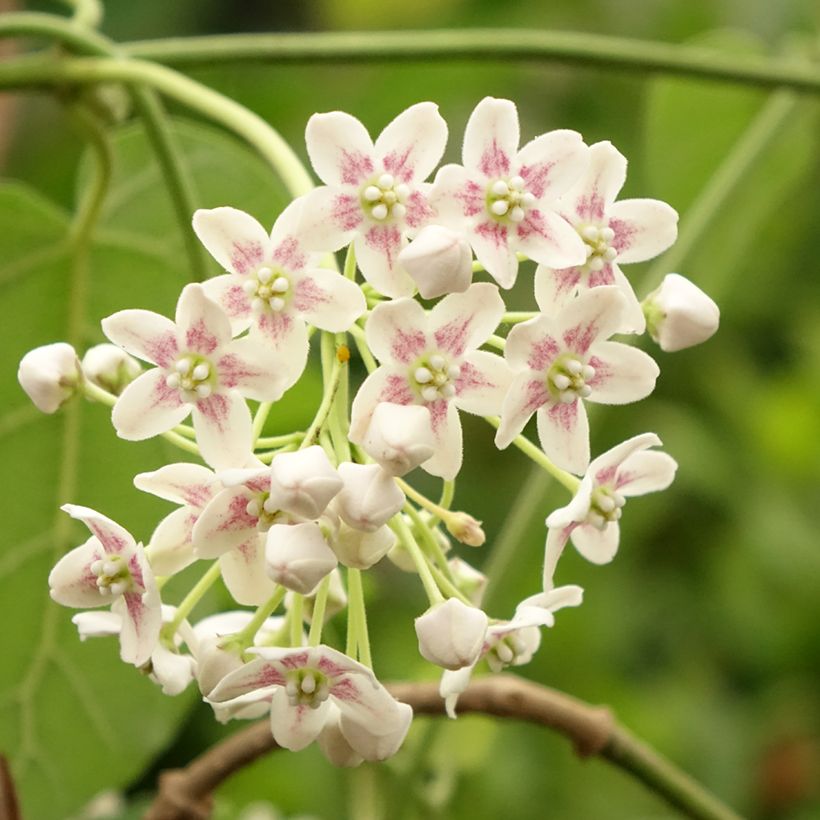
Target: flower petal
534	344
597	546
527	392
557	538
491	138
249	368
549	239
604	468
555	287
227	292
340	149
643	228
182	483
553	162
377	253
591	196
258	674
457	197
387	383
595	314
645	472
329	218
171	548
396	331
203	326
411	146
144	334
446	424
284	335
482	383
563	430
225	524
235	239
633	320
327	300
223	429
623	374
148	407
295	727
491	242
243	571
381	735
113	537
141	619
461	322
71	581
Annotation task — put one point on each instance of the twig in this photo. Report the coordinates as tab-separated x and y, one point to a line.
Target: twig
185	794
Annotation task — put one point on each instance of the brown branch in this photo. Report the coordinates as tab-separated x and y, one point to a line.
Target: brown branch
185	794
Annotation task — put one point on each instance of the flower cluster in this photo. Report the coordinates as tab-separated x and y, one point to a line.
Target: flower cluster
289	522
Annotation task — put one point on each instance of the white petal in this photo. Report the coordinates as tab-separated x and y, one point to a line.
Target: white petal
327	300
399	437
203	327
597	546
453	683
555	287
451	634
596	190
563	430
71	581
340	149
447	429
235	239
224	524
330	218
333	743
377	254
97	624
397	331
547	238
634	320
141	617
369	496
170	547
493	243
227	292
385	384
171	670
534	344
645	472
182	483
553	162
148	407
557	537
381	736
258	674
284	335
295	727
144	334
463	321
643	228
482	384
249	367
243	571
113	537
526	393
491	138
458	197
623	374
605	466
223	429
596	314
411	146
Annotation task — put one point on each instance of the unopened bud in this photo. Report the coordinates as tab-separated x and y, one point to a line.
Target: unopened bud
679	314
110	367
468	579
361	550
216	657
50	375
464	528
439	261
370	497
451	634
297	556
303	482
399	437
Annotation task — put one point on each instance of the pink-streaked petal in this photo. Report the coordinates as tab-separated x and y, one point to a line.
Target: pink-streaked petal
623	374
113	537
527	392
555	287
534	344
284	336
482	383
596	314
457	197
397	331
141	619
605	467
461	322
420	212
379	732
203	327
645	472
491	243
643	228
597	546
411	146
549	239
182	483
295	727
552	163
387	383
557	538
223	430
591	196
243	571
287	249
170	548
377	254
563	430
227	292
340	149
329	218
71	581
148	407
225	524
144	334
327	300
491	138
258	674
235	239
249	368
446	424
634	320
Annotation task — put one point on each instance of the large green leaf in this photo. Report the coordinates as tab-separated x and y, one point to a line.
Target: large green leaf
73	719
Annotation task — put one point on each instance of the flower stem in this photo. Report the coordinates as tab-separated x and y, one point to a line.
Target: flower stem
360	341
259	419
332	379
422	500
429	538
399	526
272	442
295	620
264	611
498	342
516	316
192	599
317	621
358	610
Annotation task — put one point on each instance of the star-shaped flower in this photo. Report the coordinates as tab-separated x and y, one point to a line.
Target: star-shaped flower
434	361
560	361
632	230
375	194
504	199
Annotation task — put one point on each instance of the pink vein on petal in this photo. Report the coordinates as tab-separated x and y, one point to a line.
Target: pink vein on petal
536	177
452	337
603	372
396	391
564	415
345	690
605	276
346	212
580	337
419	210
624	234
233	371
275	325
471	378
543	353
200	339
397	164
307	295
386	239
438	414
494	232
537	396
216	409
234	302
354	167
606	475
494	161
533	223
405	346
162	349
472	198
238	516
110	541
246	257
590	207
289	254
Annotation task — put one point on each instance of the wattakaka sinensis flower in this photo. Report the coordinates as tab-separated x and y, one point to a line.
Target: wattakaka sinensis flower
560	361
591	519
50	375
632	230
679	314
503	200
432	360
303	684
199	370
375	195
110	567
273	284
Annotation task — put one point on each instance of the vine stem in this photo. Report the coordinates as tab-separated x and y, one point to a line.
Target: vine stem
199	589
592	730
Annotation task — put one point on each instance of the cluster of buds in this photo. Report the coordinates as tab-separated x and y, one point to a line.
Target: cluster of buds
289	522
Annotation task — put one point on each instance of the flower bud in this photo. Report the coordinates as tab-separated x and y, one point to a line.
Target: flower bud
214	661
468	579
297	556
370	497
304	482
439	261
466	529
360	550
50	375
399	437
451	634
110	367
679	314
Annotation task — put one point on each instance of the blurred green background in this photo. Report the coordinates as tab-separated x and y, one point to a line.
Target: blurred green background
703	635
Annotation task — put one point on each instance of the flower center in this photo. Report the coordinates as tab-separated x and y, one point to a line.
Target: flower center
434	378
599	248
509	199
307	687
383	198
567	379
193	376
605	506
262	508
113	575
267	289
506	649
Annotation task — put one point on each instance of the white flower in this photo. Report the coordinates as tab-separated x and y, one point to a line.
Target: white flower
50	375
273	284
297	556
632	230
433	361
110	367
304	482
111	568
439	261
399	437
591	518
559	361
679	314
374	194
504	200
369	498
303	684
198	370
359	548
451	634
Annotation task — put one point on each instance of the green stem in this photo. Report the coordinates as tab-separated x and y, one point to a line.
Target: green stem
498	342
448	587
429	538
259	419
360	340
192	599
399	526
516	316
317	620
278	441
245	636
503	45
448	491
422	500
356	604
295	620
333	378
